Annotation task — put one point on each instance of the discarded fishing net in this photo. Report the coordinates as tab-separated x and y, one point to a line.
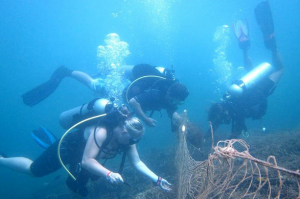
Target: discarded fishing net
231	172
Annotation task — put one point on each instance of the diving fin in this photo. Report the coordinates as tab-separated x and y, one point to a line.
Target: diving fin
41	92
264	18
240	28
43	137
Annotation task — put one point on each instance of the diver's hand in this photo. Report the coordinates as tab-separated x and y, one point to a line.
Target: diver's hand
164	184
114	178
150	122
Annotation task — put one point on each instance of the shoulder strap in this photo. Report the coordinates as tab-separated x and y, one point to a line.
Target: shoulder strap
106	142
163	84
114	115
122	162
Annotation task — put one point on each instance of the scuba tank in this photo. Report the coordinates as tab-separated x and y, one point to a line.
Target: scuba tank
167	73
247	82
95	107
133	72
128	71
142	78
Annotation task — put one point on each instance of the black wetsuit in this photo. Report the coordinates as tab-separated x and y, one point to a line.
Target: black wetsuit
154	100
71	150
140	71
150	92
252	104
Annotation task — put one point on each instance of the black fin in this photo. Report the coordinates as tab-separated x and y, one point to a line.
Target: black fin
264	18
41	92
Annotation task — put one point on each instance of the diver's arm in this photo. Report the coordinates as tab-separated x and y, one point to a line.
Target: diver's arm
83	78
141	167
91	151
247	61
136	107
134	158
278	64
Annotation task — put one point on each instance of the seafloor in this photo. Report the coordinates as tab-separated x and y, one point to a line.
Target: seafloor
284	145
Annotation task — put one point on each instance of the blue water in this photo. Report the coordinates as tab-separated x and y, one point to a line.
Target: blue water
37	36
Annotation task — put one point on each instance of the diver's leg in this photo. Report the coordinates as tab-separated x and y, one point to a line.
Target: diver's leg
271	44
97	85
19	164
278	64
83	78
45	164
48	162
247	61
264	19
241	30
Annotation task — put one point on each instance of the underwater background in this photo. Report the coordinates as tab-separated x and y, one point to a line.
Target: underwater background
195	37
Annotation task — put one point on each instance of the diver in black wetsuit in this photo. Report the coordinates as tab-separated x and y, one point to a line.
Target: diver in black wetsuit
247	97
81	149
153	89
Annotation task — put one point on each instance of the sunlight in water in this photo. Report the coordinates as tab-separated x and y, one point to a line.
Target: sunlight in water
157	17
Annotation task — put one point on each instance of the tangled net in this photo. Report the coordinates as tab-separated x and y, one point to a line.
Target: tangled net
231	172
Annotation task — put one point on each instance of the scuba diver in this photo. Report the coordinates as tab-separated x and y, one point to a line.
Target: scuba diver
247	97
152	89
81	149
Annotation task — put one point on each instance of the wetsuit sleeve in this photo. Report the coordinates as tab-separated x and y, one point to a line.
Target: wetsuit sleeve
150	100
